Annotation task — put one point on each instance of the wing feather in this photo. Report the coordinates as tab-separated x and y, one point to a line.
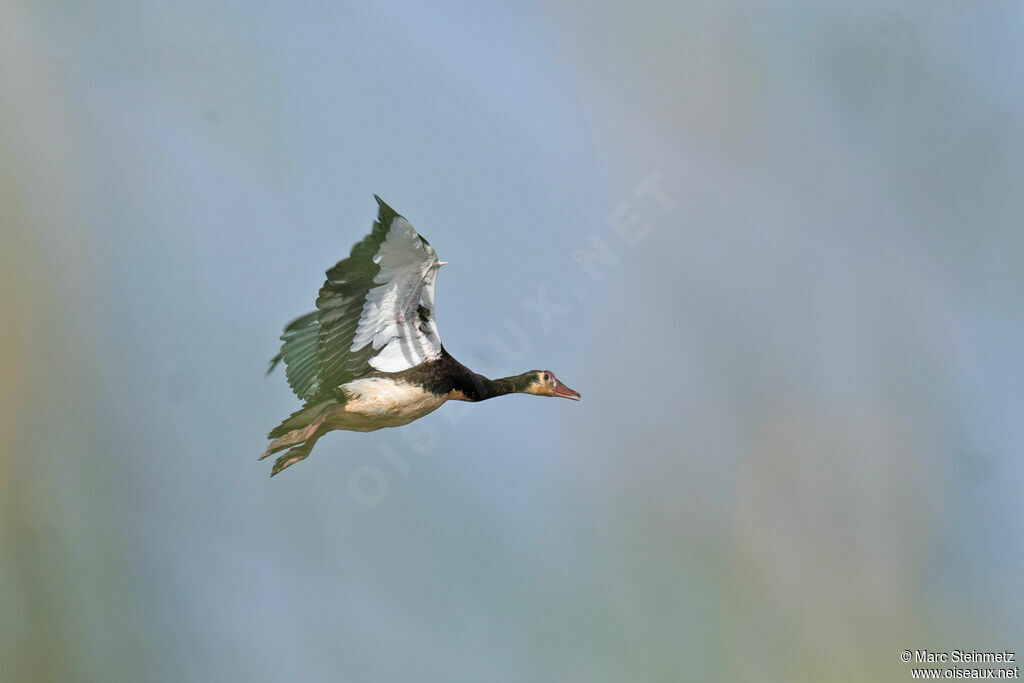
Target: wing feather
375	311
407	276
299	352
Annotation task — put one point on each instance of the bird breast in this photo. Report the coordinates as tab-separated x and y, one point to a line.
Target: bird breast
387	400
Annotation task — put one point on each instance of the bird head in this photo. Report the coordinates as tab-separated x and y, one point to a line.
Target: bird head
544	383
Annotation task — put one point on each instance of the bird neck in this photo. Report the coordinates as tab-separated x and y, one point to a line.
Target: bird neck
480	388
506	385
475	387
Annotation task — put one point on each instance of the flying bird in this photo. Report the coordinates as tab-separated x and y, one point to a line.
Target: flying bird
370	356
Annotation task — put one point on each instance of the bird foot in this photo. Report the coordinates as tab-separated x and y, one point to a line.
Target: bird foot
293	456
296	436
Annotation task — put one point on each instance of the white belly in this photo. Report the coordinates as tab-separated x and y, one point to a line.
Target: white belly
376	402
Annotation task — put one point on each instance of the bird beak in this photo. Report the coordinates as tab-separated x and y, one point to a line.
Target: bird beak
565	392
442	263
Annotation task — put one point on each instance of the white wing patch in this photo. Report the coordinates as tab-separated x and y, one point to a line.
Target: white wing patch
391	319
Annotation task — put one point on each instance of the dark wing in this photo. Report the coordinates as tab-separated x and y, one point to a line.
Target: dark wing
376	312
377	306
299	352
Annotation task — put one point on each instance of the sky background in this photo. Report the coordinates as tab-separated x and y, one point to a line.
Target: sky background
798	449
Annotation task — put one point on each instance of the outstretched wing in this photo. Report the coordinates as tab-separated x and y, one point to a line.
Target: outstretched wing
376	312
302	365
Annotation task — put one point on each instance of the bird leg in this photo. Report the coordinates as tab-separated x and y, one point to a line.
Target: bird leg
296	454
293	437
296	436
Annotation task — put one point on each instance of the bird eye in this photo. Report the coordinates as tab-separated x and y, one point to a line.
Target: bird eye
547	376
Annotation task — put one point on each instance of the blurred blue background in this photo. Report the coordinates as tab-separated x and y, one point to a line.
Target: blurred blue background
798	450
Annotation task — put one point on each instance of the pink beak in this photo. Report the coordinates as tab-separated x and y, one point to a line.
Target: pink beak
565	392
